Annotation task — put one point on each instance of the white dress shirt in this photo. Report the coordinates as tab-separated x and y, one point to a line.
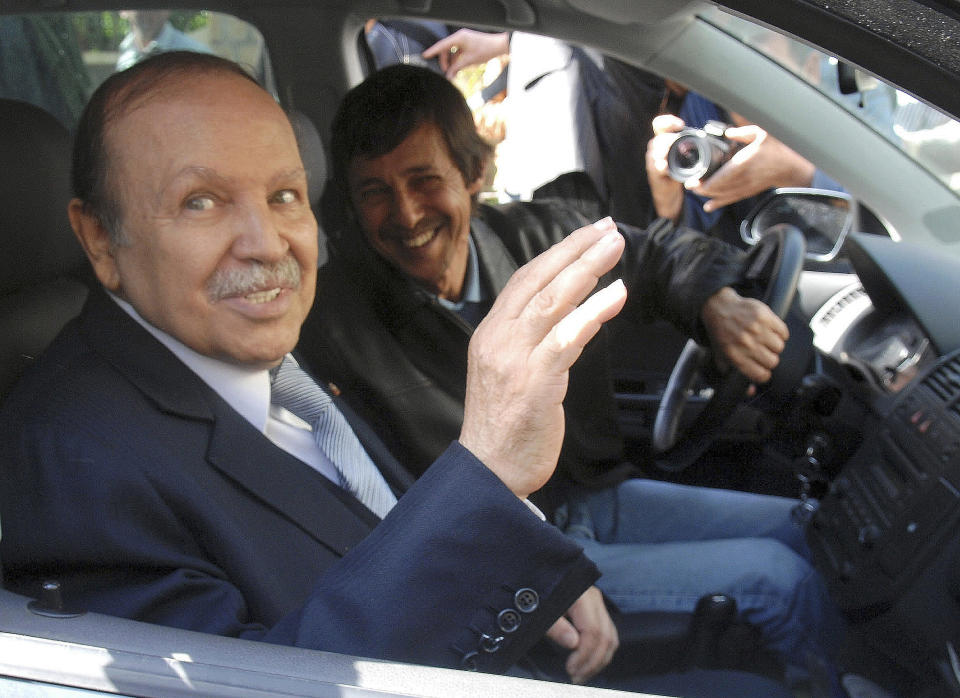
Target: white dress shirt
247	390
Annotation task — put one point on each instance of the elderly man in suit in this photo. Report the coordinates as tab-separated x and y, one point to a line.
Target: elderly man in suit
146	465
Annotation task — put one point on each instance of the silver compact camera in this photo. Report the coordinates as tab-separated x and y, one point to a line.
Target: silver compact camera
699	152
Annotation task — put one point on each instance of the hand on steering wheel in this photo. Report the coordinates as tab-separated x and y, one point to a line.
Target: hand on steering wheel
775	265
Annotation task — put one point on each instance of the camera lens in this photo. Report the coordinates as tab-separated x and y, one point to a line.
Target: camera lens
689	157
687	153
696	154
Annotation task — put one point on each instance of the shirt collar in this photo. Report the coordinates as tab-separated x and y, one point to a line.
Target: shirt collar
245	389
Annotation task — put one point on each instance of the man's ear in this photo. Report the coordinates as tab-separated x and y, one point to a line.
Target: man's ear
476	186
95	240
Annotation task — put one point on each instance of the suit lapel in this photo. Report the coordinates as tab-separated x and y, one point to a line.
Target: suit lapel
287	485
291	487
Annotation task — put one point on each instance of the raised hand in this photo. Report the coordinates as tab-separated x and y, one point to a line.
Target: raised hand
520	355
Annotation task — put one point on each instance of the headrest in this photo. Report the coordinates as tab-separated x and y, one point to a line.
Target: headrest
36	242
312	153
314	158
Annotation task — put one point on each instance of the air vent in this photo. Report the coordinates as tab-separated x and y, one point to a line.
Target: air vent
945	384
834	319
841	303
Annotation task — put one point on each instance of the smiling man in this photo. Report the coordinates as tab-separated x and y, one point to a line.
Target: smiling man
430	246
220	251
414	269
156	461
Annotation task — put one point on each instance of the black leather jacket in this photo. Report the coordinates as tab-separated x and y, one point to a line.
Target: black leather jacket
400	358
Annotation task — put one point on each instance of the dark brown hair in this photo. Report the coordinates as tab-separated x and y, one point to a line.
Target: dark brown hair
379	113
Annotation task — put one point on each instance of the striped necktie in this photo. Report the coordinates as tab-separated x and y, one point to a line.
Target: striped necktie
297	392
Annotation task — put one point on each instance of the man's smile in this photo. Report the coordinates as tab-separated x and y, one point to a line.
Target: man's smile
263	296
415	239
419	240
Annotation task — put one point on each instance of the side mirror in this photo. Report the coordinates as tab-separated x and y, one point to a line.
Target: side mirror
824	218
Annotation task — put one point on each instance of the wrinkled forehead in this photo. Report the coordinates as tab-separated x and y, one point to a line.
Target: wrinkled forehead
186	90
222	109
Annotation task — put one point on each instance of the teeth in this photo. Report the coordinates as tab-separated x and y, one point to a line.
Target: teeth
263	296
420	240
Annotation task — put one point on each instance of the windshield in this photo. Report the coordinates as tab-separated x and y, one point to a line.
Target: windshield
928	136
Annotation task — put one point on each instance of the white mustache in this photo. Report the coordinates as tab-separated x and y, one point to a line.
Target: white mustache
255	277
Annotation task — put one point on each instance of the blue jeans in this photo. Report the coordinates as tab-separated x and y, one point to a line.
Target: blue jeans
661	546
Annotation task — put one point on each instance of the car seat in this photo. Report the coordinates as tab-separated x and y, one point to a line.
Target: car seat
314	157
42	266
44	275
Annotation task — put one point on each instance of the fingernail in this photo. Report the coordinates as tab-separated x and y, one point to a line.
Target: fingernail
611	238
605	224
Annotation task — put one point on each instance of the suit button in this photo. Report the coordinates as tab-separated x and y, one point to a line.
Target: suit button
490	644
469	661
508	620
526	600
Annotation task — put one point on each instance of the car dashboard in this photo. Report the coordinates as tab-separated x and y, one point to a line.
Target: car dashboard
884	535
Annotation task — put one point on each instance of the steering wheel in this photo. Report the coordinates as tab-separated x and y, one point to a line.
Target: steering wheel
773	269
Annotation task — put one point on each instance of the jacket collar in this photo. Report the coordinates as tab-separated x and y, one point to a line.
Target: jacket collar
292	488
496	263
142	360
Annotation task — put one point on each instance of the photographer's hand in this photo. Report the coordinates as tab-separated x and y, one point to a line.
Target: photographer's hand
467	47
667	192
762	163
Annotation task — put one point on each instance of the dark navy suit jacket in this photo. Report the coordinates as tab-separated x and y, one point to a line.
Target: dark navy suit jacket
127	478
